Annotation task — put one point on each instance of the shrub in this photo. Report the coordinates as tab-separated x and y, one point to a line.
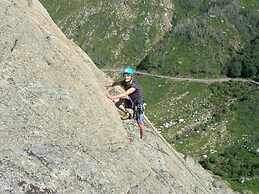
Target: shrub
234	69
256	78
248	69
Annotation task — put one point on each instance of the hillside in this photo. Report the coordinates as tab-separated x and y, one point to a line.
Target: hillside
117	32
186	38
60	134
208	39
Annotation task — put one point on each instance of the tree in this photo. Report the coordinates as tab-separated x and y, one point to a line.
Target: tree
234	69
248	69
144	64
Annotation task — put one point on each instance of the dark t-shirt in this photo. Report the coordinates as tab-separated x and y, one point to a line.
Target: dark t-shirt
136	96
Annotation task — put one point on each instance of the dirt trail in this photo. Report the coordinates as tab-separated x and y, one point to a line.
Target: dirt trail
205	80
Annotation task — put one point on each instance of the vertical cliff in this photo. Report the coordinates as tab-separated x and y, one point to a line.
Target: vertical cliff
58	132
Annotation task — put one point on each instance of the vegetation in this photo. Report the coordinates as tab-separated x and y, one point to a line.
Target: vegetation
208	38
246	63
220	126
113	33
218	123
238	104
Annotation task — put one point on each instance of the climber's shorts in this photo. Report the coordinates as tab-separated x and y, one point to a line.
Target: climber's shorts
138	109
139	116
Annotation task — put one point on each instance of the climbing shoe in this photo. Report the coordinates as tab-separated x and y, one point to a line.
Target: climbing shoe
126	116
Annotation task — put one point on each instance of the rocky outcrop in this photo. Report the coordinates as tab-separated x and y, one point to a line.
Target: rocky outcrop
59	133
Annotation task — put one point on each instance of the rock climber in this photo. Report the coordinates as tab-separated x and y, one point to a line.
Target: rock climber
130	98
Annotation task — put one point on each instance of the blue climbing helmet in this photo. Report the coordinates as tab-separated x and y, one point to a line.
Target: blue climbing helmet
128	70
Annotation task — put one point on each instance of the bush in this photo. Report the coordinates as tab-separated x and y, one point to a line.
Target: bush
256	78
248	69
234	69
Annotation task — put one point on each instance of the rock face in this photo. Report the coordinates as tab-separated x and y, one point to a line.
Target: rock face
59	133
